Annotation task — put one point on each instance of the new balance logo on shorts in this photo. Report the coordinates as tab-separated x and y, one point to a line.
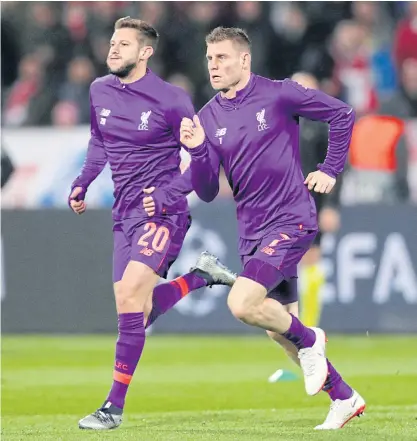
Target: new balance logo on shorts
268	250
146	251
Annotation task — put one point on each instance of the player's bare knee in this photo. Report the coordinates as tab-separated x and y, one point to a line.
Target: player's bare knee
246	314
125	295
245	300
236	307
242	309
130	294
133	291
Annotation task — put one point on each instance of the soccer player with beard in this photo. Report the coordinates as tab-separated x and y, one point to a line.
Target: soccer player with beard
251	128
135	121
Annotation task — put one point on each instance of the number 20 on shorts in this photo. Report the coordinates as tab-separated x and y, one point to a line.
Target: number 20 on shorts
159	236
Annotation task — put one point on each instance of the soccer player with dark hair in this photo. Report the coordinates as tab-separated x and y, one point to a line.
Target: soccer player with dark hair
251	128
135	122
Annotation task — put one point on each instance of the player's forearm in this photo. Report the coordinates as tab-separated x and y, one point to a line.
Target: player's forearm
340	134
205	180
87	175
179	187
183	184
318	106
94	163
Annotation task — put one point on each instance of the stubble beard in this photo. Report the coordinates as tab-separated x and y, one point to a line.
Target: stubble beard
124	71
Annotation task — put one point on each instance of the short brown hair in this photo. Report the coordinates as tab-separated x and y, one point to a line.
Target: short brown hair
236	35
148	34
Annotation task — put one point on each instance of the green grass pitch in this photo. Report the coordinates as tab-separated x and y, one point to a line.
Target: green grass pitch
202	388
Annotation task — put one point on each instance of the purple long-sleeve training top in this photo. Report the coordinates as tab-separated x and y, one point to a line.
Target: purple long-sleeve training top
135	127
255	137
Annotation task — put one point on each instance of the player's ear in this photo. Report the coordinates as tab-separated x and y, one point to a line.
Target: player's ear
146	52
245	60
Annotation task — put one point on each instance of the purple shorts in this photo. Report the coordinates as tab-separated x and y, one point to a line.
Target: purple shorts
156	242
272	261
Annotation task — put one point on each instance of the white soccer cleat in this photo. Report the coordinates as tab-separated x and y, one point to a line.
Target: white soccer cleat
342	411
314	364
108	417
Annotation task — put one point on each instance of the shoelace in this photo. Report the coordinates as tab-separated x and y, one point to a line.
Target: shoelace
307	360
103	417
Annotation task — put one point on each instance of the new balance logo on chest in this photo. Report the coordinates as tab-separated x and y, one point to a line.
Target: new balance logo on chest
260	117
144	125
220	133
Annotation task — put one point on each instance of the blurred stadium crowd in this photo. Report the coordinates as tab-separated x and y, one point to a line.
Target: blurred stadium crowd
362	52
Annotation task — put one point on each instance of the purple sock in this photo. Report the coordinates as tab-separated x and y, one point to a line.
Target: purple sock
166	295
129	348
300	335
335	386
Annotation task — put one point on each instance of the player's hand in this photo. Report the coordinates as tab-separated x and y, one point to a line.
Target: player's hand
76	200
191	132
149	202
320	182
329	220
